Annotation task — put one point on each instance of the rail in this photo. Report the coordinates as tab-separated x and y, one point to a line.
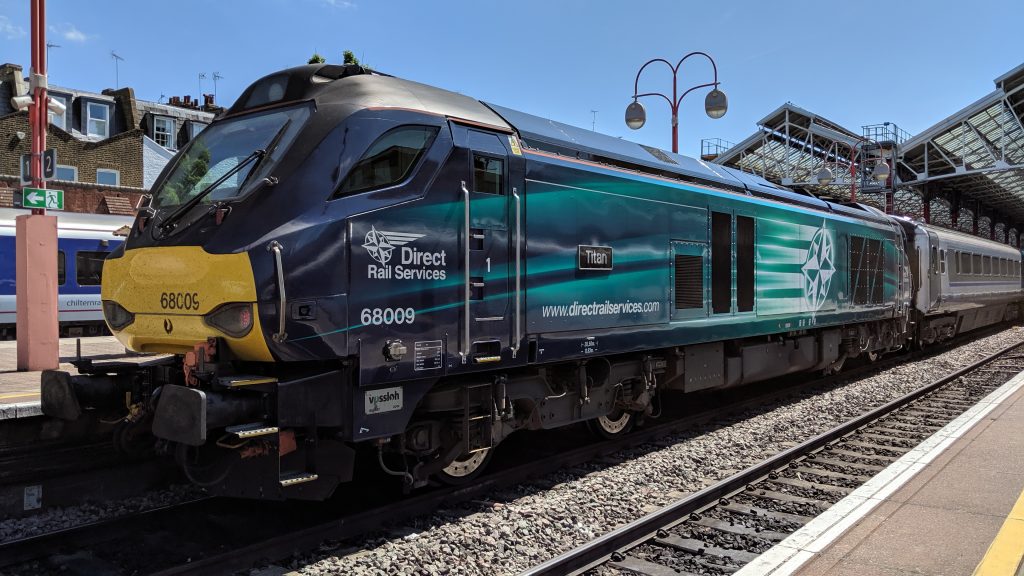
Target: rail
633	534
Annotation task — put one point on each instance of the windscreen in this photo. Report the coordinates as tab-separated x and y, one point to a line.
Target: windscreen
219	149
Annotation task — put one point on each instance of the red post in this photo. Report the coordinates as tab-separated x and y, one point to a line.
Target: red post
36	234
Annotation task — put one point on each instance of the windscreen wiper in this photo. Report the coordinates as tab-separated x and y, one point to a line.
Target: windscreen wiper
267	152
173	217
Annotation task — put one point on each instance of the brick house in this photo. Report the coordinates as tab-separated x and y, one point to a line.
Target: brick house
110	146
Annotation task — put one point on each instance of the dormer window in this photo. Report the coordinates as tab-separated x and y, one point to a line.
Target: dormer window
98	119
58	120
163	131
194	128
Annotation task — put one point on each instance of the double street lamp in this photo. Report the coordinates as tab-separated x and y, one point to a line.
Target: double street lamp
715	103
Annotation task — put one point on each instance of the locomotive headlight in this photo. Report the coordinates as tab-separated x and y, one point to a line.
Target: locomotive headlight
232	319
116	315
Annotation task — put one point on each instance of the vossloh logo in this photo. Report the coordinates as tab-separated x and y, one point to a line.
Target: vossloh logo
383	400
413	263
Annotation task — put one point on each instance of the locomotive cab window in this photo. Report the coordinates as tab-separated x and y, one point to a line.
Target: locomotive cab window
389	160
488	175
89	267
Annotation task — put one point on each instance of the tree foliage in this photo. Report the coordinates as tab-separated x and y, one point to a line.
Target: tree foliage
316	58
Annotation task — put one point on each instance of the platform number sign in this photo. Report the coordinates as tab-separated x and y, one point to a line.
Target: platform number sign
49	165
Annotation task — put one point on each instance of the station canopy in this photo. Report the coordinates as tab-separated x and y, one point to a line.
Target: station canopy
976	154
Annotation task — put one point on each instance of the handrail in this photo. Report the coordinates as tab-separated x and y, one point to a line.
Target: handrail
518	296
466	289
282	311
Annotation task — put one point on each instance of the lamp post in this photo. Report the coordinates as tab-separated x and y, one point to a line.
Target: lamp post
715	103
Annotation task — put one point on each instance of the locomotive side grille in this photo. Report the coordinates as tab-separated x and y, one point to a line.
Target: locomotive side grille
689	283
866	270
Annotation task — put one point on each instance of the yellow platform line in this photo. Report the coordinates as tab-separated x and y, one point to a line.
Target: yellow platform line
1006	552
9	396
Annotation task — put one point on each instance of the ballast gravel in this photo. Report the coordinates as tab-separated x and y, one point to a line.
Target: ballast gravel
524	526
53	519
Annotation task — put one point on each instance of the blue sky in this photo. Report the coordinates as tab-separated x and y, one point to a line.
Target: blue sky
908	62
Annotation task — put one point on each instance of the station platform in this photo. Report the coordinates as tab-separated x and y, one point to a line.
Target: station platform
952	506
19	391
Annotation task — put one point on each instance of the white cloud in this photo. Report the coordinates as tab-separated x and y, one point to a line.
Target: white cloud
345	4
70	33
10	31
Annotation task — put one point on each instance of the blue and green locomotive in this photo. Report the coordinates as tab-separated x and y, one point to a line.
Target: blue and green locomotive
349	259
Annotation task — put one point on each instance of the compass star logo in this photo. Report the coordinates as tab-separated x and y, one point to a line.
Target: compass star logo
818	268
380	244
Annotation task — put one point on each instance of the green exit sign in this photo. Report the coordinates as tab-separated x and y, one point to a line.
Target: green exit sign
42	198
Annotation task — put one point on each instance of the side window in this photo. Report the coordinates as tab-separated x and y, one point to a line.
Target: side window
389	160
61	273
965	262
488	175
721	262
935	259
89	267
988	265
942	261
956	258
976	260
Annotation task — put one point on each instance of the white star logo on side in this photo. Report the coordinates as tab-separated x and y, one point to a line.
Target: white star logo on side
818	268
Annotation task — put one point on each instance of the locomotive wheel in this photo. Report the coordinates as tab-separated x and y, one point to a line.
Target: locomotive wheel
465	468
611	425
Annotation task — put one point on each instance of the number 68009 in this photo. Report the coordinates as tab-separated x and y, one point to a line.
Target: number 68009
387	316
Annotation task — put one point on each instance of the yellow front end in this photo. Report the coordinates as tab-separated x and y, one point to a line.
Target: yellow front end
171	292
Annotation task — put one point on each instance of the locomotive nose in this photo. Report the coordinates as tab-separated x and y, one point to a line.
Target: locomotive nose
168	299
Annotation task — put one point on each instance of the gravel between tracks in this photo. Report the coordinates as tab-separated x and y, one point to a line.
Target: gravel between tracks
54	519
526	525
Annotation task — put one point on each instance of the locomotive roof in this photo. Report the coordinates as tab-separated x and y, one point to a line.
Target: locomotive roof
352	87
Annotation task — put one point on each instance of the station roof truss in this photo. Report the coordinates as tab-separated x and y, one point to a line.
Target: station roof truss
792	145
975	157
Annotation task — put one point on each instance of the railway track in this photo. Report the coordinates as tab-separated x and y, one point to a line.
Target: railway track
720	529
263	531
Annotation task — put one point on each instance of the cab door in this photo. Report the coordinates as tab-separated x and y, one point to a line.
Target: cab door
489	290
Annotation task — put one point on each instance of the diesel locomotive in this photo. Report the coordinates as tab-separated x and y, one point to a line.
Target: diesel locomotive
348	260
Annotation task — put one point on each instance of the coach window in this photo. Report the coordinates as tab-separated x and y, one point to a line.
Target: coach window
61	273
956	261
389	160
89	267
976	261
987	264
965	262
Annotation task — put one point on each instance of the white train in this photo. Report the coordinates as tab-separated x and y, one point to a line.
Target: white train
83	242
